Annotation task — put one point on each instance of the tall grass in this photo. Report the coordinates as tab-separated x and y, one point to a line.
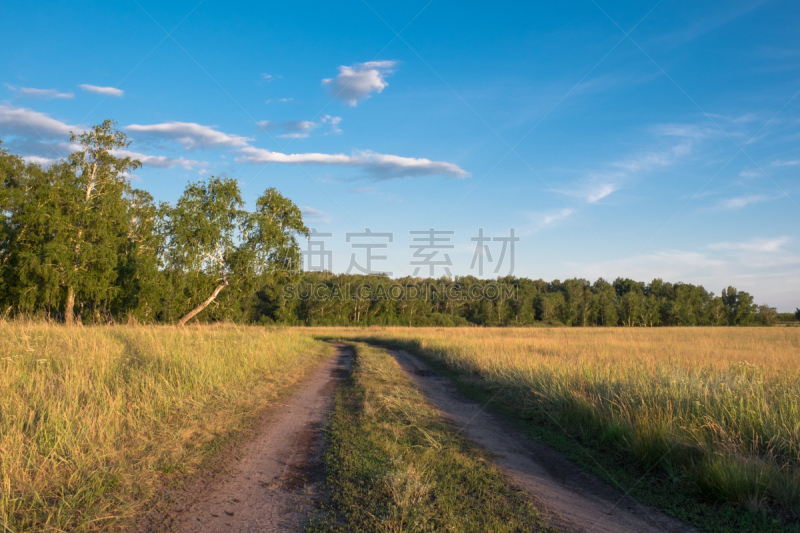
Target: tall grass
92	420
393	464
717	409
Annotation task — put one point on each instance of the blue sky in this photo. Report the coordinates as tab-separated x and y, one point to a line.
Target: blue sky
643	140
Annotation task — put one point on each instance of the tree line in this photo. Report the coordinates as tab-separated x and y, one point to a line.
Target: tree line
78	243
324	298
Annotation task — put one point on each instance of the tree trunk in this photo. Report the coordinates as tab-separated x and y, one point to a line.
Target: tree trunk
69	313
191	314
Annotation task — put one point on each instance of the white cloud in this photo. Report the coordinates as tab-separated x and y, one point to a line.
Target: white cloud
753	245
599	192
749	174
356	82
560	215
270	77
779	163
648	160
314	216
689	131
293	129
27	123
364	190
301	129
45	94
333	122
310	211
161	161
109	91
191	135
742	201
378	166
39	160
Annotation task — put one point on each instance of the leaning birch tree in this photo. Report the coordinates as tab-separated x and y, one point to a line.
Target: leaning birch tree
209	233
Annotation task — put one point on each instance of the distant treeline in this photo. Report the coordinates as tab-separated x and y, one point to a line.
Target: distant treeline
79	244
322	298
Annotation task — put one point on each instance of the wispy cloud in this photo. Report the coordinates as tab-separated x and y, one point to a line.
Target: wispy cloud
109	91
270	77
314	216
597	193
759	245
356	82
44	94
161	161
191	135
293	129
27	123
782	163
555	217
301	129
377	166
599	184
39	160
742	201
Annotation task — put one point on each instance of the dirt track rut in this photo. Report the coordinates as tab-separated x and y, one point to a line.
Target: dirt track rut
272	487
575	500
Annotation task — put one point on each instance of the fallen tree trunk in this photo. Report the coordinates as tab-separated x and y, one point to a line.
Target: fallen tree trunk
191	314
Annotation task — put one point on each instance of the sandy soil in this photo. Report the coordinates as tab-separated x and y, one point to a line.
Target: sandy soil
279	472
576	501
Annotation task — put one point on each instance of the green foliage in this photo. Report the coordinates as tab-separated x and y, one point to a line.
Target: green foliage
79	243
322	298
394	465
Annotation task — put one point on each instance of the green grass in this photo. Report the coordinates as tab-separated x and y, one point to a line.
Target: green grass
94	421
393	465
596	448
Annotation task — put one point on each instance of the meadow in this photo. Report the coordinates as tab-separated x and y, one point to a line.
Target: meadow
94	420
716	410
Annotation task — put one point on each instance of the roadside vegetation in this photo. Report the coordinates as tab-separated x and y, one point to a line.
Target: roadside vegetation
710	412
94	420
394	465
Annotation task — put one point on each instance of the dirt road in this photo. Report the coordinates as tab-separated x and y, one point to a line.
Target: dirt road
272	486
575	500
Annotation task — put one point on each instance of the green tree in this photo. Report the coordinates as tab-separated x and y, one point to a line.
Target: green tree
98	221
214	239
766	316
739	306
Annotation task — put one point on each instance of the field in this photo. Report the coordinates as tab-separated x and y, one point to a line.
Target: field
92	420
715	409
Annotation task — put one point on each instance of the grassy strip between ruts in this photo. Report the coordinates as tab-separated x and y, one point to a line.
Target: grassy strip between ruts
598	457
394	465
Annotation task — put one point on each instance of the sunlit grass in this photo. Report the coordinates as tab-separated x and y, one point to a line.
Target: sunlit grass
393	464
715	408
92	420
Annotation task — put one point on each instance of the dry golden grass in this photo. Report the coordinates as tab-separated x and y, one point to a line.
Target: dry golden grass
717	408
92	420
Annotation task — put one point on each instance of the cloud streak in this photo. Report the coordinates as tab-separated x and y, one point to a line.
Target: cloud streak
43	94
161	161
23	122
191	135
742	201
378	166
357	82
302	129
96	89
